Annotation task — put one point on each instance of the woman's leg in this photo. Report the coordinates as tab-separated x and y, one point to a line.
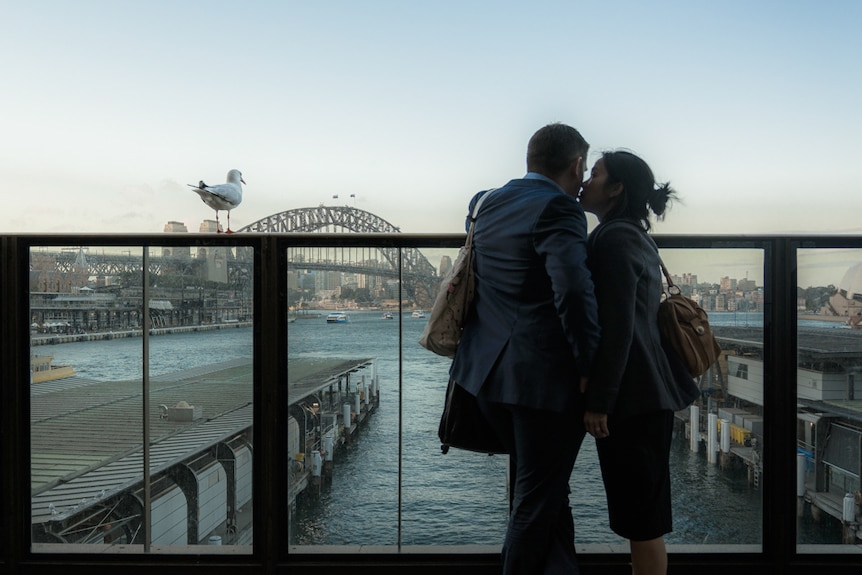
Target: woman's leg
649	557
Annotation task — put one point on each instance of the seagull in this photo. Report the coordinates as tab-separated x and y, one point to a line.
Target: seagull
223	196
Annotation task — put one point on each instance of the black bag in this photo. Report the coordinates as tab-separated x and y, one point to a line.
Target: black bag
463	426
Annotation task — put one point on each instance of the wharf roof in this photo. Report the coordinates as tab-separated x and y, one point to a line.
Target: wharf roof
815	343
818	345
850	409
87	435
307	376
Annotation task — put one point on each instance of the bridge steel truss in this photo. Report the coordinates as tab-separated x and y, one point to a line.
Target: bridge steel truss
419	278
67	260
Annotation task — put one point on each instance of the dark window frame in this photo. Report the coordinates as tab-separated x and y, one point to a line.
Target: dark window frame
271	555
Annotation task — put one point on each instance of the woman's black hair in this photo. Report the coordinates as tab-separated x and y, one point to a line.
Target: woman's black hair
640	193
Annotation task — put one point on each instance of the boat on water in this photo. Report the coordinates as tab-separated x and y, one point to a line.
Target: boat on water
388	315
338	317
42	369
418	314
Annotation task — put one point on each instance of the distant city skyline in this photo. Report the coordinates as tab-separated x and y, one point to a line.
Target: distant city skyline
821	267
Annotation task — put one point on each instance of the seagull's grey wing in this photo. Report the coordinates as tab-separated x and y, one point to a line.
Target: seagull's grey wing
228	196
226	192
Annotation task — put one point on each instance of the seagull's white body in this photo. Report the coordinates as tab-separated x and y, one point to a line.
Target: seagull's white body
224	197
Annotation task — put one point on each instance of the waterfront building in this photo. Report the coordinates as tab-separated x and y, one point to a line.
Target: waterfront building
179	252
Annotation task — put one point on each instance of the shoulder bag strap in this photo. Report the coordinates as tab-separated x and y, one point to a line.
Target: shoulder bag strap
479	203
475	213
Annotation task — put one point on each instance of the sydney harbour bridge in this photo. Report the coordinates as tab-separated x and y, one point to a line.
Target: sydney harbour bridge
419	279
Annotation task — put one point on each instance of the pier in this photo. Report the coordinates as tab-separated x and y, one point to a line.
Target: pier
728	420
732	438
87	455
329	400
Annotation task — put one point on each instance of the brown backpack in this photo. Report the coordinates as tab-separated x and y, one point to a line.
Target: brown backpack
685	326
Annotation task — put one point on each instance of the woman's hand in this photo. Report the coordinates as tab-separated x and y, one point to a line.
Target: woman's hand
596	424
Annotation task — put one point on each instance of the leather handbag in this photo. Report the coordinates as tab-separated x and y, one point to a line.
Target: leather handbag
446	322
685	326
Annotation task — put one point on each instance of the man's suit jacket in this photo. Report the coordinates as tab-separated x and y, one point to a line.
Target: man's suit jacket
533	327
631	373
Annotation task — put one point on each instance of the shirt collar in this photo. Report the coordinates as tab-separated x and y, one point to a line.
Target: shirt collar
537	176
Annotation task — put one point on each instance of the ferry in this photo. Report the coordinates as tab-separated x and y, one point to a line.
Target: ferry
338	317
418	314
43	369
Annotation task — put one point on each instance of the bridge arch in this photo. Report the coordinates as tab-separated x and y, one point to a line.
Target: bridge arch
419	276
321	219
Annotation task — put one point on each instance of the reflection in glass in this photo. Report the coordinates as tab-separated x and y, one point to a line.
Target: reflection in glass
87	421
460	498
345	313
716	453
829	391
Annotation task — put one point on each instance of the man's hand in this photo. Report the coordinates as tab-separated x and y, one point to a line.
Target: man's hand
596	424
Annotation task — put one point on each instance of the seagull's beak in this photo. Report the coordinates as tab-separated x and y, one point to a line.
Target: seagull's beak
243	181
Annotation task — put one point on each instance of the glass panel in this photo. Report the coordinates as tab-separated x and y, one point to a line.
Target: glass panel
346	311
366	496
90	354
453	499
829	392
715	470
717	497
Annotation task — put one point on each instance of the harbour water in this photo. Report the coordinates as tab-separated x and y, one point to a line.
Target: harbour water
453	499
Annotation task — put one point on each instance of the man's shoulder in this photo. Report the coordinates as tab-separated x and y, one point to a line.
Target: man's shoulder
527	194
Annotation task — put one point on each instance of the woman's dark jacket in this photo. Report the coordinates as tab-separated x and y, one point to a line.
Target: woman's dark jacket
631	373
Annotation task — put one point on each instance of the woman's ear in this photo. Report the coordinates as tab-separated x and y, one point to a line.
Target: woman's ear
616	190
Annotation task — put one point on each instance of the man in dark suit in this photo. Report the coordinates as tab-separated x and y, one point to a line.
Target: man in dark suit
529	340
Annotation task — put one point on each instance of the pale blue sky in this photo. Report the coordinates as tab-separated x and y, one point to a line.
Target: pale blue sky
109	108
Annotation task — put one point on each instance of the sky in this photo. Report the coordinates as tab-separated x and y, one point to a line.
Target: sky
750	109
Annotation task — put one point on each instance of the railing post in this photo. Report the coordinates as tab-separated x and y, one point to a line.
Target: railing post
779	409
270	402
14	423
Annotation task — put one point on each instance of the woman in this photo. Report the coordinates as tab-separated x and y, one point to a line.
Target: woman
629	399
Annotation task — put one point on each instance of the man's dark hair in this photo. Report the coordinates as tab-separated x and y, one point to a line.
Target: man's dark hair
553	148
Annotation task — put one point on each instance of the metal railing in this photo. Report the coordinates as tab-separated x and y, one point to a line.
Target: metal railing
778	554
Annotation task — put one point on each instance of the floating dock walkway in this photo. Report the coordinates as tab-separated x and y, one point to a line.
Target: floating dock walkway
57	338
